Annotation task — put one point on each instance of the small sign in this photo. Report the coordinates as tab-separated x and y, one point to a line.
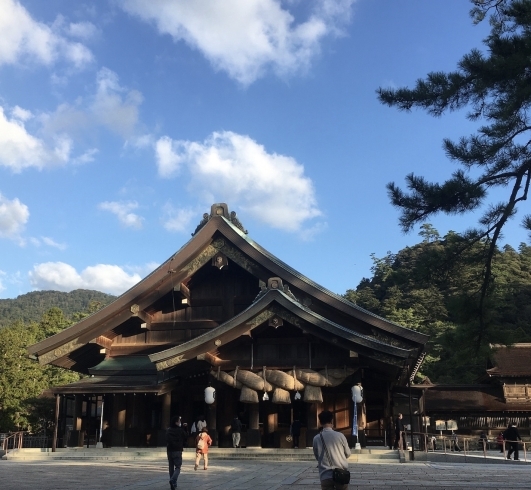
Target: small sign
451	425
440	425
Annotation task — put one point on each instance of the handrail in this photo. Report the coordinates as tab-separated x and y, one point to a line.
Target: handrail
16	443
448	443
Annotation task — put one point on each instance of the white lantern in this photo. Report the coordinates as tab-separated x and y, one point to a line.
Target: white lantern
357	393
210	395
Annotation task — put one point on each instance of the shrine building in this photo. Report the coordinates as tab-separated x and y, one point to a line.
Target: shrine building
223	312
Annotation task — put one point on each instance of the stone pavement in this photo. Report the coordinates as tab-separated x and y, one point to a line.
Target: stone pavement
248	475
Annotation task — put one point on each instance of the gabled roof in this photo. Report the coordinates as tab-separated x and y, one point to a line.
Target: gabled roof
511	361
469	399
218	232
271	303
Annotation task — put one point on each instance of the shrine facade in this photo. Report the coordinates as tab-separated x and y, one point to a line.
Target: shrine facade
223	312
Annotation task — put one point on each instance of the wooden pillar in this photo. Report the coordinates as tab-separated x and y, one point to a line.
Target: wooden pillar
312	430
78	403
56	422
166	411
118	424
254	416
212	416
312	416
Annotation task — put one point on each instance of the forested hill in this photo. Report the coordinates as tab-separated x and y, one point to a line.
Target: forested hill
31	306
434	286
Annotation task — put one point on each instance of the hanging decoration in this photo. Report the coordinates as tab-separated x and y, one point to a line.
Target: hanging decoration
306	383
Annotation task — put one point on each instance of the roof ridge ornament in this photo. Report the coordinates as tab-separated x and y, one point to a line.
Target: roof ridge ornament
220	209
274	283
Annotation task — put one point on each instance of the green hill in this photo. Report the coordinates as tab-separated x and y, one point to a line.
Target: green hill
30	307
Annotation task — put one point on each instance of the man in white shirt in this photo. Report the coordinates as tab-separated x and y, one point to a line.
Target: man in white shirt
336	456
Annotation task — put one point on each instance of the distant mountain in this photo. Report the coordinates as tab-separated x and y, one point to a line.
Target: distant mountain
30	307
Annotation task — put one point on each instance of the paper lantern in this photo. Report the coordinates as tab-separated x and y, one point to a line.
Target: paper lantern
210	395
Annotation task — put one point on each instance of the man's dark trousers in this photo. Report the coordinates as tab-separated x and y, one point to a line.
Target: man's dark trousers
513	447
175	461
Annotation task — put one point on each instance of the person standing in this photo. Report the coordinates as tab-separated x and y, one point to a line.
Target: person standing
336	453
202	443
512	437
295	431
175	439
236	428
499	441
201	424
399	432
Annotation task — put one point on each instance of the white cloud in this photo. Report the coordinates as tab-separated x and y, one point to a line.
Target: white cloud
123	210
234	168
25	39
52	243
82	30
112	106
178	220
50	141
19	149
21	114
63	277
245	38
13	217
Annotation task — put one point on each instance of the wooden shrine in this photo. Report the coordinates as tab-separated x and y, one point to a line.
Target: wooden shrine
223	312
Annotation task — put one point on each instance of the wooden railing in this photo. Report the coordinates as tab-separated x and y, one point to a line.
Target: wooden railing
13	441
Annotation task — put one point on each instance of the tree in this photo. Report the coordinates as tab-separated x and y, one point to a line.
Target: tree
496	89
22	380
430	287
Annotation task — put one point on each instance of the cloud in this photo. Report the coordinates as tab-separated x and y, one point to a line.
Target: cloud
24	39
82	30
234	168
13	217
178	220
49	140
2	275
52	243
19	149
59	276
123	210
112	106
246	38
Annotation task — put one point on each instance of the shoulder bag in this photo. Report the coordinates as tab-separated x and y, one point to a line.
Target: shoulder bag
200	443
339	475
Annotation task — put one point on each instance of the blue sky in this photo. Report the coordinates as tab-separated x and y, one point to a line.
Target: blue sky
122	121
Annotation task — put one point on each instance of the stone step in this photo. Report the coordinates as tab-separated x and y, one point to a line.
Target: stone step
125	454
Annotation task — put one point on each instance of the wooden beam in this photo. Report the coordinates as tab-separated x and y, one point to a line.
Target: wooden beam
184	291
102	341
143	315
192	325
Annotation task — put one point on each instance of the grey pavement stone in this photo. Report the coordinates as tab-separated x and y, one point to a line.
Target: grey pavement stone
248	475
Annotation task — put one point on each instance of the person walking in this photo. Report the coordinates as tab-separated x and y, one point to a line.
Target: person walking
175	439
512	437
202	443
236	428
335	455
295	432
